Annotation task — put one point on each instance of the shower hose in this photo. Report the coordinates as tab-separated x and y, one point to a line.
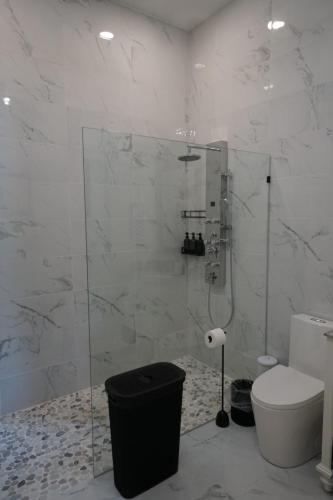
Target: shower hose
232	302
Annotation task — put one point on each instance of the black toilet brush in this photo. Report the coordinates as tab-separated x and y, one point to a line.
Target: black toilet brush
222	418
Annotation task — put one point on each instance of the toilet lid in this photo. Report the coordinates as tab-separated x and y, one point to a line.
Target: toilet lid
284	387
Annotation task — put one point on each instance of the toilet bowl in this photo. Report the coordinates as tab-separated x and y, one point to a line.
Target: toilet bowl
288	410
288	400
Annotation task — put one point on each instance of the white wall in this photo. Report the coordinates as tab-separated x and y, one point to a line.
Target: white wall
293	121
60	77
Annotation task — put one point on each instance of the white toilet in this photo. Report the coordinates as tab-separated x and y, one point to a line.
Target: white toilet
288	400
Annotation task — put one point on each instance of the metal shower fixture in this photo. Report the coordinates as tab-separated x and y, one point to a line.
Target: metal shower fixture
194	157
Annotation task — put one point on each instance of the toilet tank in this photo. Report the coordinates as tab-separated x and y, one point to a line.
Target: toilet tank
307	352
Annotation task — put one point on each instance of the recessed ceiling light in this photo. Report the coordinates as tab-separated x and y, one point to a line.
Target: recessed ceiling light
106	35
7	101
275	25
270	86
199	66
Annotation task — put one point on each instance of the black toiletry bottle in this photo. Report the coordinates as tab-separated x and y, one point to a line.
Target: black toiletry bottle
193	243
200	246
186	247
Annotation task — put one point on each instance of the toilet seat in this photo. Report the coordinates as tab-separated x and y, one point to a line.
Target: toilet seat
284	388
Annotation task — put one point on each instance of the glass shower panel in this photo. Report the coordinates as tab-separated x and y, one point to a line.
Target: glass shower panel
134	194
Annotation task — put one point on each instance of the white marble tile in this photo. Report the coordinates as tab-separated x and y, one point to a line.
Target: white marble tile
112	268
35	161
27	238
35	276
22	32
33	332
31	78
23	120
42	385
38	332
161	305
113	234
105	200
30	200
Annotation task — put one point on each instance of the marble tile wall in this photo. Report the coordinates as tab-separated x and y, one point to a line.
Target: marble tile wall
260	90
61	77
272	91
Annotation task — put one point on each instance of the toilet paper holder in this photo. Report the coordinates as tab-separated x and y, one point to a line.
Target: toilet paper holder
222	417
217	338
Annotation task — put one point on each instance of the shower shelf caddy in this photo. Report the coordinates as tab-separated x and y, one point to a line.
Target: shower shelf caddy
325	468
193	214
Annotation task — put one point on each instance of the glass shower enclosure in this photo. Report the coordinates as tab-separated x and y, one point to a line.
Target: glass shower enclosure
148	301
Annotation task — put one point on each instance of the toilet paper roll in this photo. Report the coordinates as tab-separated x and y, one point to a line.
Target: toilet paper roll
215	338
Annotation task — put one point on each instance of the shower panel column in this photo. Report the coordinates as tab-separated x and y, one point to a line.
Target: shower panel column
217	209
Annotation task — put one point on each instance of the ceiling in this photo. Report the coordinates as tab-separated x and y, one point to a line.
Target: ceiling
184	14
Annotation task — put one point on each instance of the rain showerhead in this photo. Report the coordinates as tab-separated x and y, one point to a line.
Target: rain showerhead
189	157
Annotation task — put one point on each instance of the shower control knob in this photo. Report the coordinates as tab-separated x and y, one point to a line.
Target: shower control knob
208	221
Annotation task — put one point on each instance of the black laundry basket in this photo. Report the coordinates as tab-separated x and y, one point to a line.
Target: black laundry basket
241	405
145	413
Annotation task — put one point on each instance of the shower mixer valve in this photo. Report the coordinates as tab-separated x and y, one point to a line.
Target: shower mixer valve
211	241
212	221
213	250
212	277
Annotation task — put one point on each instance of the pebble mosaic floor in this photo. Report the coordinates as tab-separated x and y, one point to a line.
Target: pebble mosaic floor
48	447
